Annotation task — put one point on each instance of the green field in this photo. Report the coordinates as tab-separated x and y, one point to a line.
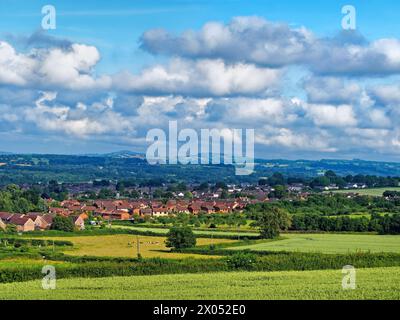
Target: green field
382	283
329	243
164	231
368	192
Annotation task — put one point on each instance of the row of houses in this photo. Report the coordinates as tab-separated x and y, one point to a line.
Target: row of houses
126	209
33	221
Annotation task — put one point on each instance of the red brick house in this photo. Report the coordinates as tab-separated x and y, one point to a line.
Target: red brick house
23	223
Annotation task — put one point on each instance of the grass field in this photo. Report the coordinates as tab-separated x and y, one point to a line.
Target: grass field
122	245
329	243
368	192
163	231
382	283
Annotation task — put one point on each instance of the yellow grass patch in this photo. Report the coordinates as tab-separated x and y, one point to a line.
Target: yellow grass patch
122	245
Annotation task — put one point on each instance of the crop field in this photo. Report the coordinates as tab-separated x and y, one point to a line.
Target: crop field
377	192
380	283
329	243
121	245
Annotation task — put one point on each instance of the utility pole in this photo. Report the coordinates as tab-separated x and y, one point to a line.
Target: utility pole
138	246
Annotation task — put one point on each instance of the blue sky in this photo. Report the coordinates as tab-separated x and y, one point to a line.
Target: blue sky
111	71
115	27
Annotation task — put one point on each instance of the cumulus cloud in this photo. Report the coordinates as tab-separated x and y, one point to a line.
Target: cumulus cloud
222	76
332	90
332	116
199	78
250	39
81	120
55	67
256	40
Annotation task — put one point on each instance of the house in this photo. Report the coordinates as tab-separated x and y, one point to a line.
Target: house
194	208
2	225
114	215
208	208
146	212
79	223
23	223
221	208
5	216
40	222
70	203
182	209
160	212
59	211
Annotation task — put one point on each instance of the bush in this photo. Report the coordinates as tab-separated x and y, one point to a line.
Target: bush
242	260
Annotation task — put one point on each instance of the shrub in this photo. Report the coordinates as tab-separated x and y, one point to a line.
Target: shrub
242	260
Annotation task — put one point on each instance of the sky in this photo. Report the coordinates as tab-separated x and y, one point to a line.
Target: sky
113	70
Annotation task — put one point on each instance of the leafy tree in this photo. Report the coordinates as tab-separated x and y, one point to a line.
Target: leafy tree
62	224
272	222
276	179
180	237
279	192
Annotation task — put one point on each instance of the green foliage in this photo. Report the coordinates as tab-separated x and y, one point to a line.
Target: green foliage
14	199
242	260
272	222
180	237
61	223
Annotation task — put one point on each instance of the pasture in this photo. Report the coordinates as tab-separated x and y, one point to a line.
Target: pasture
328	243
123	245
376	192
379	283
164	231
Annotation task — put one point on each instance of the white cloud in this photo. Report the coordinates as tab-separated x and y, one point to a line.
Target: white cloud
80	121
331	116
62	68
200	78
256	40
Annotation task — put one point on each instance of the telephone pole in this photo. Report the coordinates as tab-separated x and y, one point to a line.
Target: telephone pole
138	246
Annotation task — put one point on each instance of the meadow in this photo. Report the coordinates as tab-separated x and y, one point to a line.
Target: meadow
376	192
328	243
381	283
211	232
124	245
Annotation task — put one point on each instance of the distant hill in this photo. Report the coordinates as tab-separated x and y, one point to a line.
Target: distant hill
133	165
124	154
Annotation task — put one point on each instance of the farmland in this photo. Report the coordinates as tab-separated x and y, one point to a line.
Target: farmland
376	192
329	243
122	245
164	231
382	283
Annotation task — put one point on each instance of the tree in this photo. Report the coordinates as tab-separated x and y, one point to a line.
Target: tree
272	222
180	237
62	224
279	192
